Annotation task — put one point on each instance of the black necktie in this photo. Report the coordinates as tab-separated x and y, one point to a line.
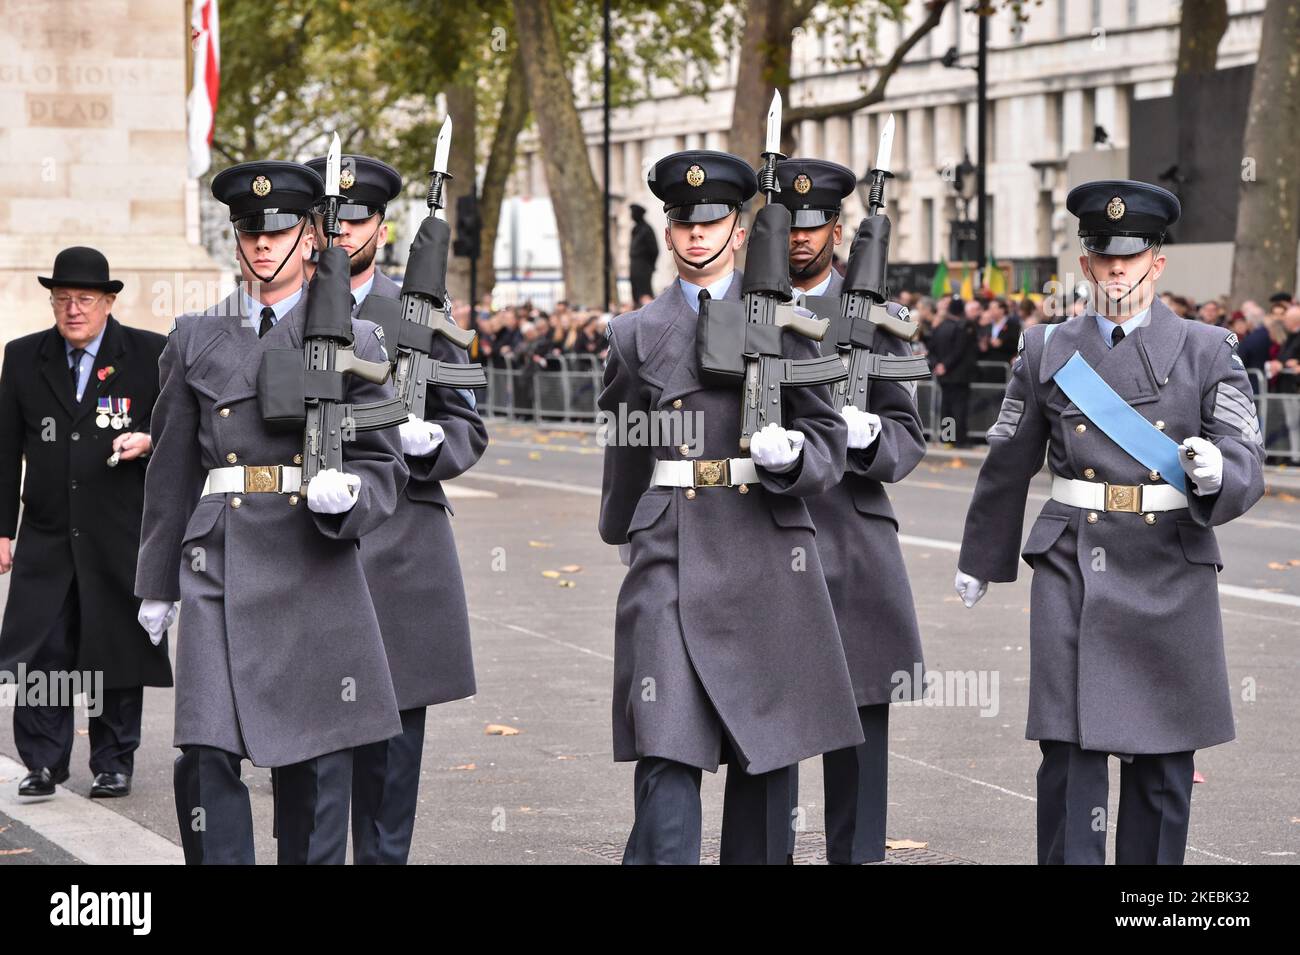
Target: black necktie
75	369
1116	336
268	319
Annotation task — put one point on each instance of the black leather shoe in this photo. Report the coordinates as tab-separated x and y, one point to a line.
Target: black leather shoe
110	785
41	782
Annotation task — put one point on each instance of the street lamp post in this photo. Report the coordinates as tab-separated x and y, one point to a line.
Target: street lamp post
949	60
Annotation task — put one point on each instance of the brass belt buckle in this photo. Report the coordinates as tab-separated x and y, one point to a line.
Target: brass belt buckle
712	473
261	478
1124	497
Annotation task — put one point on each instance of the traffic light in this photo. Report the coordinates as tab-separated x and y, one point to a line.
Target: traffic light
468	227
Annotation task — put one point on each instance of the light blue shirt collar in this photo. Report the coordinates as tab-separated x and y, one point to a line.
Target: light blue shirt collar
1107	327
716	290
361	291
821	287
92	349
253	308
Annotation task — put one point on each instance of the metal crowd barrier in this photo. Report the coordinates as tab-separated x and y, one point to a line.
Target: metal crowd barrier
567	387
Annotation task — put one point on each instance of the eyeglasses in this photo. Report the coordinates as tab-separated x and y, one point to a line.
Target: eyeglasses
61	302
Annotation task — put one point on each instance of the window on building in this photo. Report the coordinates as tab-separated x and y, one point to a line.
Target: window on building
1062	18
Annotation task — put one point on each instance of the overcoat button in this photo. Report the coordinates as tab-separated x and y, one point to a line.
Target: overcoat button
690	494
1080	428
1092	517
1149	518
1089	473
683	449
76	436
297	459
743	489
236	502
232	457
293	499
677	402
224	412
1153	475
1160	425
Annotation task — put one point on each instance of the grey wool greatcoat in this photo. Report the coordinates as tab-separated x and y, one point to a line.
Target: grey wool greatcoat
857	538
278	656
410	559
723	620
1126	639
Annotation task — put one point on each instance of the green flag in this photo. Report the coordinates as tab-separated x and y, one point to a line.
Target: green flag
941	286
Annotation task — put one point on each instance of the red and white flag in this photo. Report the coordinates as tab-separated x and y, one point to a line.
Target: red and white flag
204	37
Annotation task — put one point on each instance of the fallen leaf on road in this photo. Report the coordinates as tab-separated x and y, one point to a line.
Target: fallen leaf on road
1274	565
1284	496
534	455
83	732
464	767
14	852
577	568
503	460
567	583
496	729
905	844
539	544
956	463
552	574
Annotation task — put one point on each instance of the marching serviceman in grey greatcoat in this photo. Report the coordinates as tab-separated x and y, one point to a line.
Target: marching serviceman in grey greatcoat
410	560
1152	440
857	533
279	657
725	640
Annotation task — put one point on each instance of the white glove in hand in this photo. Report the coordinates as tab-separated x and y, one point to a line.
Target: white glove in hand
420	438
864	427
969	589
332	492
156	616
1206	469
775	448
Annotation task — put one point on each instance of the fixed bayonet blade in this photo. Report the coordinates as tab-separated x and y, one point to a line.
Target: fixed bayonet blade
443	150
332	163
774	124
886	145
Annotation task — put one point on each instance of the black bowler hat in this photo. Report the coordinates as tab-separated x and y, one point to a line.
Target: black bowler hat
81	267
366	185
1122	216
702	185
268	195
812	189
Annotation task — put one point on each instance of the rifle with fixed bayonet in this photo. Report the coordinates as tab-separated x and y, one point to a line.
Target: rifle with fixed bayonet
743	339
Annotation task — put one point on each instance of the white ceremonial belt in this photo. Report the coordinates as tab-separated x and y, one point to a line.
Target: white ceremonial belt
723	472
254	479
1133	498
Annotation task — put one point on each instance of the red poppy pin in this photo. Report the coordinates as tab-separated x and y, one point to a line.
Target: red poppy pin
104	372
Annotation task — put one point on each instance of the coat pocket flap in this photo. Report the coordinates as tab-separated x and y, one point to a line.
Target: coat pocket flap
204	518
791	512
429	493
1199	544
648	508
871	499
1044	533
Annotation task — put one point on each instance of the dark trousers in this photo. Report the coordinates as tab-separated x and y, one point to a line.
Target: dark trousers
216	818
44	734
385	788
1155	798
755	815
856	785
954	403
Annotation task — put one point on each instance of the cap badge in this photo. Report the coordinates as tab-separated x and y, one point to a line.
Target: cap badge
695	176
802	184
1115	209
346	179
261	186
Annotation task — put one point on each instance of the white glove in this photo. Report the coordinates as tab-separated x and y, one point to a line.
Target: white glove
864	427
332	492
625	554
969	589
156	616
420	438
1206	469
775	448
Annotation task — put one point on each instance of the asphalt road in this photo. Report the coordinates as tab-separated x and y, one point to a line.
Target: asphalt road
541	590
